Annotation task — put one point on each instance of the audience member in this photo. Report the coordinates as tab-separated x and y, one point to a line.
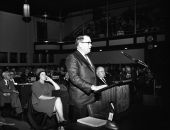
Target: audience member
8	93
12	75
103	77
42	98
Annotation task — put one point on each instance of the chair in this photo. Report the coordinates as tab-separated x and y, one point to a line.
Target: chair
39	120
7	110
5	106
98	110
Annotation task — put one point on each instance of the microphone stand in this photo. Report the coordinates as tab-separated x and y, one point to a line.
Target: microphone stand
139	62
135	60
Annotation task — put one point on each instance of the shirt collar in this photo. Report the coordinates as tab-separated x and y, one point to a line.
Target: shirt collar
81	53
5	81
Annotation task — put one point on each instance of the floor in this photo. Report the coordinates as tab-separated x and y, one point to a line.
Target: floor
150	113
146	115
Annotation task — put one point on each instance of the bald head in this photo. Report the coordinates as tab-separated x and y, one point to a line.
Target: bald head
100	72
6	75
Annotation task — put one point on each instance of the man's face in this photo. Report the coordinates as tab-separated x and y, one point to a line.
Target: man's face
100	72
86	45
7	76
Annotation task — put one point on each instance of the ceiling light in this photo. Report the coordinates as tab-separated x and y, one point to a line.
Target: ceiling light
26	11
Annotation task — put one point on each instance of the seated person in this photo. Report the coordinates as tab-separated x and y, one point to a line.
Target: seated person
42	98
102	77
12	76
8	93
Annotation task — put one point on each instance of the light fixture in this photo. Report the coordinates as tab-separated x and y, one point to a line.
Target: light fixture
45	15
26	11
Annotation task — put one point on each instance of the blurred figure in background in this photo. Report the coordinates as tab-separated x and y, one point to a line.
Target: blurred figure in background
12	76
8	93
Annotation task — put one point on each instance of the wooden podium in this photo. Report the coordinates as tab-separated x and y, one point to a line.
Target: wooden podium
118	93
122	98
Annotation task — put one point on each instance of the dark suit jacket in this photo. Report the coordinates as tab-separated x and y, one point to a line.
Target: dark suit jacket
109	80
81	76
13	98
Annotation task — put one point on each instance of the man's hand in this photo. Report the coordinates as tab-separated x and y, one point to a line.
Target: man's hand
6	94
96	88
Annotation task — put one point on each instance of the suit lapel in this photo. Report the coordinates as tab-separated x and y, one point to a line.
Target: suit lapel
91	66
81	58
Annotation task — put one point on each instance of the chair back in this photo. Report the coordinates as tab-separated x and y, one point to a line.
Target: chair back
97	110
36	119
30	115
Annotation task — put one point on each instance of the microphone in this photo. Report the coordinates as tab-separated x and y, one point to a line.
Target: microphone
142	63
128	56
133	59
112	106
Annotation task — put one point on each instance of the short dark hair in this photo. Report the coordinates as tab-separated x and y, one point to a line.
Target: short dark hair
38	72
80	38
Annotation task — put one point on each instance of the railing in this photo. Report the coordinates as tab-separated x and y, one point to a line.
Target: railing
96	30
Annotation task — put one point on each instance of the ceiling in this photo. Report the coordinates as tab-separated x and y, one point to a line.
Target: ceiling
53	8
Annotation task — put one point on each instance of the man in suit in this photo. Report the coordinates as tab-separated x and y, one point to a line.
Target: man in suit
103	77
82	79
8	93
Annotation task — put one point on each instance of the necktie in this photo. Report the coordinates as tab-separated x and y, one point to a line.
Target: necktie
87	58
8	85
104	81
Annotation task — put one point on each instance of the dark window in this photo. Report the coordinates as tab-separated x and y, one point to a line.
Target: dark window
3	57
36	58
41	31
23	57
44	58
51	58
13	57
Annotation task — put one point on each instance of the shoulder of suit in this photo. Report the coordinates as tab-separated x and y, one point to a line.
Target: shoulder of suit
70	57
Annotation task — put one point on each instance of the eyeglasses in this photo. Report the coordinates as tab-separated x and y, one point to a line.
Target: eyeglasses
87	42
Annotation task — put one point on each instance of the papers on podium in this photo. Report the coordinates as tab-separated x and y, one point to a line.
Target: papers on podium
92	121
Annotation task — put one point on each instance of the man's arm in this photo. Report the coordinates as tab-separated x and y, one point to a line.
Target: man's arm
73	71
